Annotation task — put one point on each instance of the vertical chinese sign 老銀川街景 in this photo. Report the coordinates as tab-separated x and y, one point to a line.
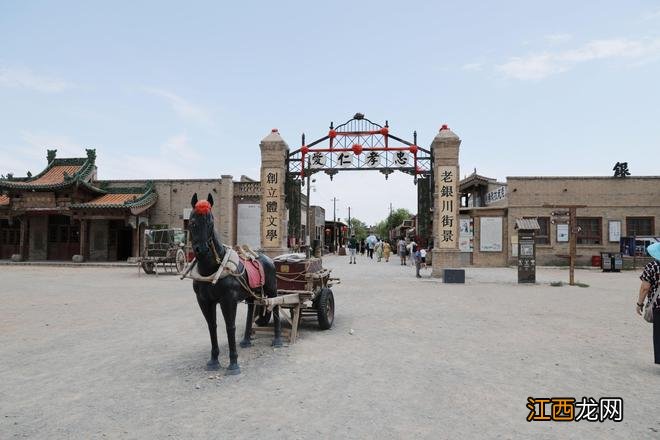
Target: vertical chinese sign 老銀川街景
270	227
447	187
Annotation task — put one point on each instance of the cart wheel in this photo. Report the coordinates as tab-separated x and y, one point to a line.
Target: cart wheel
148	267
326	308
180	261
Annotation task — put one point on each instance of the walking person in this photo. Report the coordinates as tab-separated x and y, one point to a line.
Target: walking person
648	292
417	259
370	249
401	250
387	251
362	247
379	249
352	249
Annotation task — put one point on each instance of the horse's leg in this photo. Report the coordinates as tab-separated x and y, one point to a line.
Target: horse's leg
248	325
277	322
228	308
208	309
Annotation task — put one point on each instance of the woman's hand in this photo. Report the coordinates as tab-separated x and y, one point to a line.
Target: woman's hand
640	308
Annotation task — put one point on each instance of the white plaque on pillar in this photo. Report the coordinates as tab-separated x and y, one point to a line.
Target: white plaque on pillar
447	209
272	185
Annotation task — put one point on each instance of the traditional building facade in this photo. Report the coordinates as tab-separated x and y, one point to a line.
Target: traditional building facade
65	211
614	211
57	213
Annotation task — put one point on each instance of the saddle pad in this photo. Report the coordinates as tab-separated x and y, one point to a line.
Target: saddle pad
255	273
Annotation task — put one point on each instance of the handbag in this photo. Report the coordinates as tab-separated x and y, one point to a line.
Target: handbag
648	310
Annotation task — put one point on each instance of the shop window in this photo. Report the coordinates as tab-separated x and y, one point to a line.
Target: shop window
640	226
543	234
590	230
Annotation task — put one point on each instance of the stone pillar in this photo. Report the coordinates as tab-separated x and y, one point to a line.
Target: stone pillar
84	242
225	210
23	243
273	210
445	148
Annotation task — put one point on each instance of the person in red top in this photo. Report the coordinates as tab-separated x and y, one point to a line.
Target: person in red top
650	279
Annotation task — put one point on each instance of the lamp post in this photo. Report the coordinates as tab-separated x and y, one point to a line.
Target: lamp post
309	216
334	222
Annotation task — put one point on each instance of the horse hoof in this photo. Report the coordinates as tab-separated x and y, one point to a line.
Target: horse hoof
233	370
245	343
213	365
277	342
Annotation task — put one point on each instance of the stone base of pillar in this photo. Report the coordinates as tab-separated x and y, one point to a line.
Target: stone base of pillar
272	253
445	259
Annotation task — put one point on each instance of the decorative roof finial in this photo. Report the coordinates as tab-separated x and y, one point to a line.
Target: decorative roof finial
51	155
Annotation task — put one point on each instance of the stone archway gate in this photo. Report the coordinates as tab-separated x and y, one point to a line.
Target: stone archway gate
359	145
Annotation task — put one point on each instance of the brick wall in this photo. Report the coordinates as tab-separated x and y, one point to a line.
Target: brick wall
605	197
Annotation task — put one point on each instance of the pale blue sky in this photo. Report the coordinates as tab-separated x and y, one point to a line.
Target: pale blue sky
189	89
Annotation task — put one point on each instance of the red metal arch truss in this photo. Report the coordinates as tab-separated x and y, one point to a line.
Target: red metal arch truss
360	144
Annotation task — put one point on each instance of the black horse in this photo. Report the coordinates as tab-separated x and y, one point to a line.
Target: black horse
228	291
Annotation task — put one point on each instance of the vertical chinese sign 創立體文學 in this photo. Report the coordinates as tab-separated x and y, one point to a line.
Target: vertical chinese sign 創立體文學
270	227
447	188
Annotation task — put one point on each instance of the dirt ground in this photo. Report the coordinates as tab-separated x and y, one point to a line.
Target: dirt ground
105	353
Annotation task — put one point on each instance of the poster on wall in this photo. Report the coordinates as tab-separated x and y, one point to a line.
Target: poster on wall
466	235
490	236
562	233
247	224
615	230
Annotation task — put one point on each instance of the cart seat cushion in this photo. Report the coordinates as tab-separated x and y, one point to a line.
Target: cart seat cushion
255	273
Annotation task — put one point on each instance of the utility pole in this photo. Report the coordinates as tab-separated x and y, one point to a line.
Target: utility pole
334	222
572	236
309	222
350	227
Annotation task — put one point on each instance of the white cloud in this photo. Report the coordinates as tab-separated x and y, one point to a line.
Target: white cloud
472	67
558	38
19	77
31	153
181	107
539	66
651	15
174	159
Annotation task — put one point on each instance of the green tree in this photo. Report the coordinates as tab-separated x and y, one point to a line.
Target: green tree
359	228
393	220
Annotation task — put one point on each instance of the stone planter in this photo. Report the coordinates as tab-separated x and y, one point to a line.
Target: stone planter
78	259
16	257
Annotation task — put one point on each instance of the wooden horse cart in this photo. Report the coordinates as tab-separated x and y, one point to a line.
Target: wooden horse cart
304	290
167	249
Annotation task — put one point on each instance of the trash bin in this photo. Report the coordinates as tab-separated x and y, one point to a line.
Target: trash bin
611	261
617	262
596	261
606	261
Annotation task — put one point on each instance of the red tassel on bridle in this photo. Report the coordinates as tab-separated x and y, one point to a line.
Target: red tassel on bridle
202	207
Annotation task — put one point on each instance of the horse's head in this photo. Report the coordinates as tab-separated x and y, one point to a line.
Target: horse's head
200	225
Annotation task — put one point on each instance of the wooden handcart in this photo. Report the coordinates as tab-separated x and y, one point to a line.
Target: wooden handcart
304	290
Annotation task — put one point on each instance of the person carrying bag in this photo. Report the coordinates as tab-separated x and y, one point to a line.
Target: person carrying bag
649	291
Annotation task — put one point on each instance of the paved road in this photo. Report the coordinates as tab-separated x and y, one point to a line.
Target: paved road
105	353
